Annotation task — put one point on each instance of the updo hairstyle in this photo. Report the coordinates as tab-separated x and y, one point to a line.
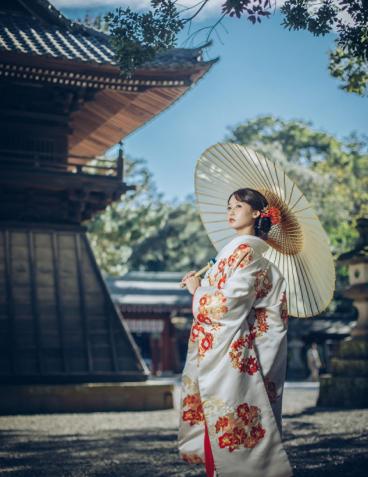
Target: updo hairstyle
257	201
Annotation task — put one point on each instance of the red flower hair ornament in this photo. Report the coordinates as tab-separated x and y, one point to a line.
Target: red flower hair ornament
273	213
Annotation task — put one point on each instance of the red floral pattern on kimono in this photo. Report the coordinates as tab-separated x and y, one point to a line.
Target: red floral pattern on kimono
263	284
261	320
212	308
249	363
241	257
238	329
241	428
284	309
192	458
194	413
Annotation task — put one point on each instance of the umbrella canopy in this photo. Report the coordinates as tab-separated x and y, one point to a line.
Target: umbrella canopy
299	246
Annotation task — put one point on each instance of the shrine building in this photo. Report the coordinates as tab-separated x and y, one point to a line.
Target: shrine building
63	104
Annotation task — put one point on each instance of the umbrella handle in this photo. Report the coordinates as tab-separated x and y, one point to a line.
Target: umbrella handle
202	270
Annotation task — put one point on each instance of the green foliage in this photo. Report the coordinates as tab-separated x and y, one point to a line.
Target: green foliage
348	19
143	232
331	173
352	72
318	18
180	244
114	232
97	22
254	10
137	37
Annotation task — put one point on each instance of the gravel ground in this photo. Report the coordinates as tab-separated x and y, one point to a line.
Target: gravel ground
319	442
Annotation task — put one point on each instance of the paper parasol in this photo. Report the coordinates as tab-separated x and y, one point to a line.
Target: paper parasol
299	246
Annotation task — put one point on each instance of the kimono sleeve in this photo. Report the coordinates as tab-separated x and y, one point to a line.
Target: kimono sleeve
232	293
269	331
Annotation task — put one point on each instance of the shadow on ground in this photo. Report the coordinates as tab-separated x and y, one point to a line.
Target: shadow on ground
319	442
148	452
327	442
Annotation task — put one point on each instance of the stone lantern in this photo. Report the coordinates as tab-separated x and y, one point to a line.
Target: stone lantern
347	385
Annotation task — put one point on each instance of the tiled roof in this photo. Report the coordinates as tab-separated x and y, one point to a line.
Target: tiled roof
149	289
31	36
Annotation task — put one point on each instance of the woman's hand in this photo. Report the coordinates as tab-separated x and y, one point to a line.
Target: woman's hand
187	275
192	283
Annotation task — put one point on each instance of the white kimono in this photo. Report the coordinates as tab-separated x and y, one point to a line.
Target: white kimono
235	369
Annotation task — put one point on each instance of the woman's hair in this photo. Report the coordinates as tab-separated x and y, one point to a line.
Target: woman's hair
257	201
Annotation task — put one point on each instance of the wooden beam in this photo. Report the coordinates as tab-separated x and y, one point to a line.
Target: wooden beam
10	297
81	289
109	314
58	301
34	300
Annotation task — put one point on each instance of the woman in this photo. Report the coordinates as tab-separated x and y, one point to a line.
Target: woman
232	382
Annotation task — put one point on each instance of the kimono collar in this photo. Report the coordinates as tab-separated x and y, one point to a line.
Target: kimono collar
258	244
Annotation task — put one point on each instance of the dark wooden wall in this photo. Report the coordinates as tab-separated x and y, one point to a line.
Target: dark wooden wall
57	320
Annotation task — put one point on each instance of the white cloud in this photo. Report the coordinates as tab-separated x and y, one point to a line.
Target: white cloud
99	3
92	3
213	6
136	4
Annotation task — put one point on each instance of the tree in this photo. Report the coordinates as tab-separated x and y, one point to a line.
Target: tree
137	37
349	20
332	173
181	244
144	232
114	232
97	22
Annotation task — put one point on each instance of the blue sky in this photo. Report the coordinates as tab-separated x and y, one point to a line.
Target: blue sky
263	69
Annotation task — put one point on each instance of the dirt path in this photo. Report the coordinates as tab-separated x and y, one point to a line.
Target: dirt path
319	442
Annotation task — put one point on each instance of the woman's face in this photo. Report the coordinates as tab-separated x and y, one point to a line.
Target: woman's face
240	214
